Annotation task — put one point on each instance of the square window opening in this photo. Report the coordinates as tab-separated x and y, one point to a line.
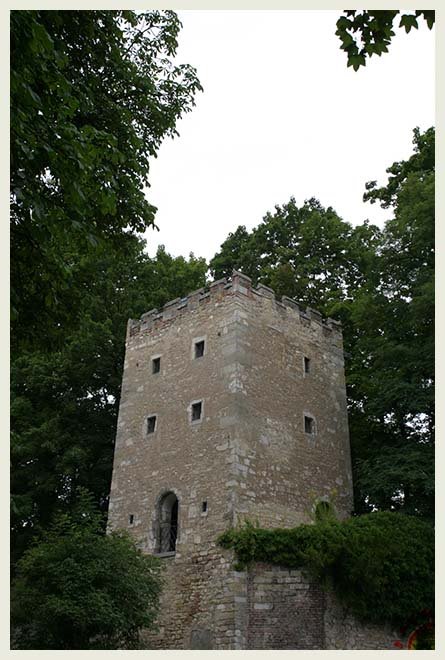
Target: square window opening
156	365
151	424
308	425
196	411
199	349
307	365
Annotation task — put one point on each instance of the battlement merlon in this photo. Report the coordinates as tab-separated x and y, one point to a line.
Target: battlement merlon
239	284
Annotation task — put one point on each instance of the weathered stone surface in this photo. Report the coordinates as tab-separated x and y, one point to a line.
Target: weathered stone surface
248	456
295	613
201	639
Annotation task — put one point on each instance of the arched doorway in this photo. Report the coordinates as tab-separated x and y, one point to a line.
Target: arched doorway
168	523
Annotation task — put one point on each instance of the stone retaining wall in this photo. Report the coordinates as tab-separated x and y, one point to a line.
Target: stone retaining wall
286	610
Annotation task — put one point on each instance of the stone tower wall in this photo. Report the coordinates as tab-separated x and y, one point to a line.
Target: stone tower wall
194	460
248	456
281	471
184	457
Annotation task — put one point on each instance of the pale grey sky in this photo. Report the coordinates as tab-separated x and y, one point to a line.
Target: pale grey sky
281	115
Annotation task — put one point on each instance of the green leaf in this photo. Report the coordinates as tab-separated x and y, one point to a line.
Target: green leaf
408	21
343	23
430	17
92	240
356	61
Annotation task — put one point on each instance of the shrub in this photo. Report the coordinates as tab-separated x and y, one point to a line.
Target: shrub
380	565
77	588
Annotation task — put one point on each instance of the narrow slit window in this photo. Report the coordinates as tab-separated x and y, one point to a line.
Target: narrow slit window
308	425
131	519
307	365
199	349
151	424
156	365
196	411
204	506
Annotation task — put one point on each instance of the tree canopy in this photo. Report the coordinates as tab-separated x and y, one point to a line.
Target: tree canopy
93	94
365	33
391	372
309	253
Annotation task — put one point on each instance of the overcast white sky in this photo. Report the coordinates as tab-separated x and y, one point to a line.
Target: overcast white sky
281	115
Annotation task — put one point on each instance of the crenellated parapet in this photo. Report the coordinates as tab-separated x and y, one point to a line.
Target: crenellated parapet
238	285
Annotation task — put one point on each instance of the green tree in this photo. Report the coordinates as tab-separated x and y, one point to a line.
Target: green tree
93	94
308	253
392	368
365	33
77	588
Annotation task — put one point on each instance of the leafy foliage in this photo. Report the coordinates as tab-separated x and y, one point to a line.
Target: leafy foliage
380	565
391	373
308	253
365	33
93	93
77	588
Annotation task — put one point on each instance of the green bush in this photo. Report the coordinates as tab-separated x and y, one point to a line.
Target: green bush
380	565
77	588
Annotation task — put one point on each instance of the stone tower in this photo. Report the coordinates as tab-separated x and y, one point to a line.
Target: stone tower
233	407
